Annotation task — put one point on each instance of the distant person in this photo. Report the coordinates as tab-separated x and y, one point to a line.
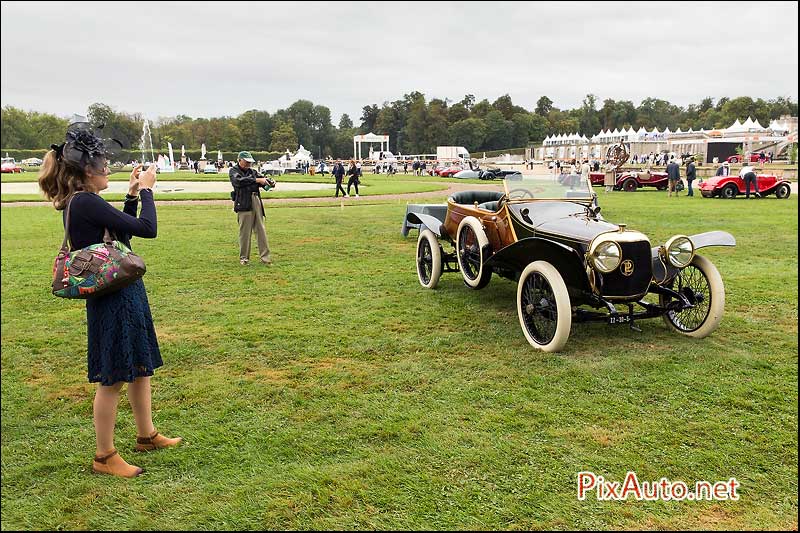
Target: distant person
353	180
748	174
196	167
585	170
673	177
246	195
691	174
724	169
338	174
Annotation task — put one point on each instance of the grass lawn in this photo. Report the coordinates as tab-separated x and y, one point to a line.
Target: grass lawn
331	391
371	185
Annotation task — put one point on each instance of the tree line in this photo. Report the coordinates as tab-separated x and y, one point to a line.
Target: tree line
414	124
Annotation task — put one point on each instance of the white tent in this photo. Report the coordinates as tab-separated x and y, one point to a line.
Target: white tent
369	138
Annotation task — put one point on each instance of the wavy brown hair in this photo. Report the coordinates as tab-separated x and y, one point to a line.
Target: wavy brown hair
59	180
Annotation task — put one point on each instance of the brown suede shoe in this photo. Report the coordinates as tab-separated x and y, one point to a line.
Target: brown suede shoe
113	464
155	442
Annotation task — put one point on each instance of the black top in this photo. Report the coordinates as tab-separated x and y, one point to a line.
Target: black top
691	172
90	215
244	187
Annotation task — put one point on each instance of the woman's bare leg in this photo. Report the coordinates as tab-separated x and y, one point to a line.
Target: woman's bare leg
141	403
105	416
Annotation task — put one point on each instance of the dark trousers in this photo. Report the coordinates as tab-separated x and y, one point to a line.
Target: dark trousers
339	187
352	181
691	192
748	178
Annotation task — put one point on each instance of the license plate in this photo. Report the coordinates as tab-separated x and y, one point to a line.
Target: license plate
619	319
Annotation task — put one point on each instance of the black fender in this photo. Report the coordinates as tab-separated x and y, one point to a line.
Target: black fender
430	222
568	261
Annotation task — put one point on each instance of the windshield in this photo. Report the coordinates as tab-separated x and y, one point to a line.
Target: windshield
547	186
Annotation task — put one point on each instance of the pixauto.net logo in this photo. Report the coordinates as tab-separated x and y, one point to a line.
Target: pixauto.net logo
663	489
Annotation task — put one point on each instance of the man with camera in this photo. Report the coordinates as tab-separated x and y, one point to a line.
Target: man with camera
248	207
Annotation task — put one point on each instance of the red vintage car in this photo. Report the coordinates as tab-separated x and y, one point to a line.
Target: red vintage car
630	181
9	166
449	171
731	186
754	158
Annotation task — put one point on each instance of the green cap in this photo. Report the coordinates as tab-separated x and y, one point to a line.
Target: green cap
246	156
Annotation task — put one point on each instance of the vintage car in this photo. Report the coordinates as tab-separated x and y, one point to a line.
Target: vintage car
629	181
488	174
210	169
570	263
731	186
8	165
755	157
447	171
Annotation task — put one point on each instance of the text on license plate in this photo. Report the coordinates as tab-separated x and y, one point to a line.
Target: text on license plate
619	319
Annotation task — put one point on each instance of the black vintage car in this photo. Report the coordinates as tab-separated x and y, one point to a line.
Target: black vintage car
570	263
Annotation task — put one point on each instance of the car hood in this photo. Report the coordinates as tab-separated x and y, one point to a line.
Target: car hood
566	219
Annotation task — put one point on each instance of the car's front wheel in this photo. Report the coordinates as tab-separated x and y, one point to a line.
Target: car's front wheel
472	248
729	191
543	307
783	191
701	284
630	185
429	259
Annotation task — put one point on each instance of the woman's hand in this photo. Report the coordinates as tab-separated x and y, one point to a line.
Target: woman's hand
133	186
148	178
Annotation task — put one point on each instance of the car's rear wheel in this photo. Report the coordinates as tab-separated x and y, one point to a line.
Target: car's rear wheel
543	307
429	259
472	247
733	160
783	191
729	191
630	185
702	285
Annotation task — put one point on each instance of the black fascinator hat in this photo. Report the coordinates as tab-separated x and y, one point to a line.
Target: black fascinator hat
87	145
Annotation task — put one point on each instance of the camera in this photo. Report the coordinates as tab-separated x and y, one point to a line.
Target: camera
270	184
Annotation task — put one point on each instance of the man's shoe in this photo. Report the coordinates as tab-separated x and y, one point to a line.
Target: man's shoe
356	196
243	261
347	196
758	195
268	263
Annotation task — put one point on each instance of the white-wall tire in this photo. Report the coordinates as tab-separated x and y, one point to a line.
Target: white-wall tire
703	319
471	244
549	333
429	259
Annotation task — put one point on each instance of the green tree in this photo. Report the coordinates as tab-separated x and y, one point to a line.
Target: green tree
543	106
345	123
369	115
469	133
284	138
499	131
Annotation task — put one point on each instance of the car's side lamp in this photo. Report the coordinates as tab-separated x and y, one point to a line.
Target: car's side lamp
525	212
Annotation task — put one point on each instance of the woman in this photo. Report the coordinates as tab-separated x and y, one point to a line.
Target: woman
122	345
353	180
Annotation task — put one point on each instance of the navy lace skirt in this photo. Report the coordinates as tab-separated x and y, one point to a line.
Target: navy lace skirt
122	340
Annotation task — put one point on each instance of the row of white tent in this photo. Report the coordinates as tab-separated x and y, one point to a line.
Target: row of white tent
749	126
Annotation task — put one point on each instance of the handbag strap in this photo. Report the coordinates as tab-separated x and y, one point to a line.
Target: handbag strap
66	244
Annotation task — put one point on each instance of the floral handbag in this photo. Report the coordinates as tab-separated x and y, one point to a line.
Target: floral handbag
94	270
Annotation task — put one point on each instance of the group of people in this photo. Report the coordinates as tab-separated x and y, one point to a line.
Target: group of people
354	173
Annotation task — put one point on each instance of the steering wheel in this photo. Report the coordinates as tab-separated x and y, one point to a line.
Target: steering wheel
525	193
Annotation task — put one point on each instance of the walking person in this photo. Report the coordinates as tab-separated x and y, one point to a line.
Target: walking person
691	174
585	170
749	176
121	340
249	210
673	177
338	174
353	180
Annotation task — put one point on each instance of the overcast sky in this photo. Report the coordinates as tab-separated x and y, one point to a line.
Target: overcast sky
222	58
